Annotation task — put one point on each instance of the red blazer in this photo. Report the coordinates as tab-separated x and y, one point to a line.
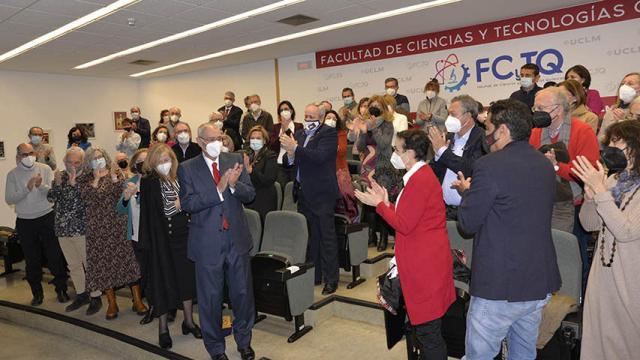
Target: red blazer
582	141
423	253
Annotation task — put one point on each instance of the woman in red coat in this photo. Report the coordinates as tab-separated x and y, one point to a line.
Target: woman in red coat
423	254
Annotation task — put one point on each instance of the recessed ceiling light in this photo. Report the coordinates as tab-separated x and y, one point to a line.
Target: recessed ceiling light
230	20
362	20
72	26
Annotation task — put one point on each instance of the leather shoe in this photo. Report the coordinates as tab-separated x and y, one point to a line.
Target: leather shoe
222	356
195	330
37	300
165	340
95	304
148	316
79	301
247	354
329	289
63	297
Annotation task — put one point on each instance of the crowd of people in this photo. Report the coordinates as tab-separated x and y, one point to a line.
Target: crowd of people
164	216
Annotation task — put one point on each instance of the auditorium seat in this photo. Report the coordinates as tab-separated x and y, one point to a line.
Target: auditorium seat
283	282
287	199
460	241
10	249
255	229
353	247
569	263
278	195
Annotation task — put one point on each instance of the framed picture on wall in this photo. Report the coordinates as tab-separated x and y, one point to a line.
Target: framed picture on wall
118	116
89	129
46	136
1	149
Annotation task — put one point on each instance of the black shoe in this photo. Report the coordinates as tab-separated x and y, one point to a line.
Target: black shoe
171	315
80	300
329	288
384	240
247	354
37	300
63	297
148	316
195	330
165	340
222	356
373	238
95	304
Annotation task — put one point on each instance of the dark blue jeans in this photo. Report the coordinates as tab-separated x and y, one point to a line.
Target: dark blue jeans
583	241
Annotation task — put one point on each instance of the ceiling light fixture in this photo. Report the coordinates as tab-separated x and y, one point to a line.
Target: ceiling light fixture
72	26
362	20
218	24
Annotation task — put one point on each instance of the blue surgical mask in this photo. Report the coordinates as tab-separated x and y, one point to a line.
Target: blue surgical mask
256	144
36	139
526	82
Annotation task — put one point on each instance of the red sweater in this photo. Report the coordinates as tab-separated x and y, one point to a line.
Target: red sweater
582	141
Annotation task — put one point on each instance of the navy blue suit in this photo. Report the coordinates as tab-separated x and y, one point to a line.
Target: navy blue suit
317	195
220	255
508	208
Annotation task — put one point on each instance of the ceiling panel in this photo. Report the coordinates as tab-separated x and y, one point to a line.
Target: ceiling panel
7	11
71	8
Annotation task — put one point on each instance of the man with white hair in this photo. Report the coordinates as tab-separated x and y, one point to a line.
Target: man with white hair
175	114
140	126
70	226
256	116
231	116
27	186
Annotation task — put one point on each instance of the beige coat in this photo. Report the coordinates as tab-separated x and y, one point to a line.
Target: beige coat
583	114
609	119
611	319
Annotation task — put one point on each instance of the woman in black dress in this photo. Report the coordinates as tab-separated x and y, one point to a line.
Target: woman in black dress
261	165
164	231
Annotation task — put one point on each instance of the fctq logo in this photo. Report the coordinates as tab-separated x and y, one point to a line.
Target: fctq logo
453	74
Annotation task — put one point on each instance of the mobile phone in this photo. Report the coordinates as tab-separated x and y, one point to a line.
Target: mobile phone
288	132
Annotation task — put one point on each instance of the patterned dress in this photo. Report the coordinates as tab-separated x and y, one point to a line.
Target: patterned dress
110	258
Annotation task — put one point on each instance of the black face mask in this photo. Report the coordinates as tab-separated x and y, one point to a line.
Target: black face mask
127	129
123	164
374	111
76	139
614	159
139	167
541	119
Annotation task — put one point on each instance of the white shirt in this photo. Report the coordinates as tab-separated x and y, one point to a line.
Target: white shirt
210	167
135	215
400	123
451	196
282	150
408	176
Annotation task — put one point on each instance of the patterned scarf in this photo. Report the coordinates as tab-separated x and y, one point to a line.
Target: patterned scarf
626	182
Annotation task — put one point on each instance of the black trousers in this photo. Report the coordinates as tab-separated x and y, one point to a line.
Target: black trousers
37	237
285	175
322	249
430	341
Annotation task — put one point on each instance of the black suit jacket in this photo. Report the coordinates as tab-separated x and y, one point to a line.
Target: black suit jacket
143	128
508	208
317	165
475	148
233	122
193	150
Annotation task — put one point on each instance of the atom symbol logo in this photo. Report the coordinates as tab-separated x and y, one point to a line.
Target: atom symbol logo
448	73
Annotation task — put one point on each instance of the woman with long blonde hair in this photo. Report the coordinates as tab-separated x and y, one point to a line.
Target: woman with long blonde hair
164	231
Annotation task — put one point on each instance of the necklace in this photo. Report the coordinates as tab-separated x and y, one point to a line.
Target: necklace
613	247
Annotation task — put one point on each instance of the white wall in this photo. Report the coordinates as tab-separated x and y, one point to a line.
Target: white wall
199	93
57	102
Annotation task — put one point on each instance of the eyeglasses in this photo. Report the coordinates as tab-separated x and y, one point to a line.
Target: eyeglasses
541	108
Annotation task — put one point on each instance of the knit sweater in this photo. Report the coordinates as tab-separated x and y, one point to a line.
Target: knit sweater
29	204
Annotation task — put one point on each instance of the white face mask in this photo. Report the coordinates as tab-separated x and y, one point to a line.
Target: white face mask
165	118
256	144
397	162
626	93
135	115
391	91
36	139
162	137
430	94
164	168
228	102
183	138
330	122
175	118
254	107
213	148
97	164
452	124
526	82
28	161
224	149
286	114
218	124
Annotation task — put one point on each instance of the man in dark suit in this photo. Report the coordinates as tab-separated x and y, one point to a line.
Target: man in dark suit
184	148
231	116
508	207
212	189
457	150
141	126
314	152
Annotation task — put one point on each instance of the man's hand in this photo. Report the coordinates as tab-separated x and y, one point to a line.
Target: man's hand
551	155
31	183
234	174
38	180
462	184
57	177
288	143
438	139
